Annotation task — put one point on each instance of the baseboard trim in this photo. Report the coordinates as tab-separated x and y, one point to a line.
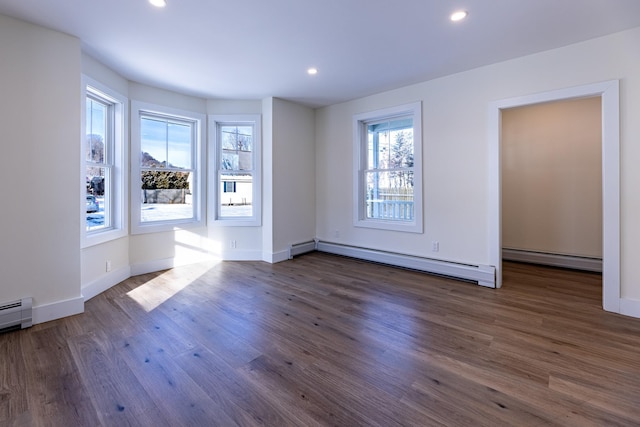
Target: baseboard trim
105	282
630	307
554	260
484	275
276	257
57	310
152	266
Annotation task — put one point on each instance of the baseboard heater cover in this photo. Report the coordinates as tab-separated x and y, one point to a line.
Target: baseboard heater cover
484	275
554	260
302	248
16	314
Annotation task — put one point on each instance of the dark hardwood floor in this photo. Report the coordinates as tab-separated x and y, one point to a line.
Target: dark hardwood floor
323	340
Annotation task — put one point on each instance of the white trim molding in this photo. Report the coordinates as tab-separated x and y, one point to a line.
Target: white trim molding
275	257
105	282
630	307
361	166
57	310
216	122
609	93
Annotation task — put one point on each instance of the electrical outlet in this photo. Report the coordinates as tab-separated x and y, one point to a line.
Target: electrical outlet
233	244
336	234
435	246
108	265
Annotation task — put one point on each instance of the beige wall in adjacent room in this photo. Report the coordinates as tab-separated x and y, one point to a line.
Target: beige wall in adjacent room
552	178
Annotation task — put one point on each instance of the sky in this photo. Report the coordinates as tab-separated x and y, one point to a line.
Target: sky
162	138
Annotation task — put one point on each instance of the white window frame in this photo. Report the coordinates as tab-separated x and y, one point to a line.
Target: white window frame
360	122
215	153
140	109
118	149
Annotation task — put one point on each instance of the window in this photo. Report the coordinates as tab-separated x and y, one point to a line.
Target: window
165	189
103	154
235	160
388	169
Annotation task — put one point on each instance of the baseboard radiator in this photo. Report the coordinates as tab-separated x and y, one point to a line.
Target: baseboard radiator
484	275
16	314
554	260
302	248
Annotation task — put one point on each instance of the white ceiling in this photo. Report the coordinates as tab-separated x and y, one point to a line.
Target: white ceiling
251	49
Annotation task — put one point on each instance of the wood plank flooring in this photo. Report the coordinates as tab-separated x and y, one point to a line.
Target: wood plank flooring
328	341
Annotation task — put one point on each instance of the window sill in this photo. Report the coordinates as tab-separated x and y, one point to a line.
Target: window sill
157	227
102	236
407	227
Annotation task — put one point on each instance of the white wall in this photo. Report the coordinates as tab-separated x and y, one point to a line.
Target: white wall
40	121
552	177
455	153
267	178
288	177
99	72
153	251
94	275
293	175
248	240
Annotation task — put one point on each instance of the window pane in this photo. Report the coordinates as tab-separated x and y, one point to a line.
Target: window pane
237	137
378	148
389	195
179	145
390	144
237	144
401	153
166	195
236	192
153	142
388	178
96	129
230	160
96	180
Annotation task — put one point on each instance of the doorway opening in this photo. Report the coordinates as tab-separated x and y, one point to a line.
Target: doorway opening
608	92
552	184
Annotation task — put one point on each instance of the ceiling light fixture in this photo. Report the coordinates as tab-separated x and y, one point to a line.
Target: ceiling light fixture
158	3
312	71
459	15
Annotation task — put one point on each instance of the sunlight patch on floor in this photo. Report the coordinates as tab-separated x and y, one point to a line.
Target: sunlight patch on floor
165	286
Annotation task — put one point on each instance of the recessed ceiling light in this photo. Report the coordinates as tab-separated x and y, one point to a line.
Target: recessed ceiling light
312	71
158	3
459	15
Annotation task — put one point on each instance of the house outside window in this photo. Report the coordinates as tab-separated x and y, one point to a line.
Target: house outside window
235	160
388	169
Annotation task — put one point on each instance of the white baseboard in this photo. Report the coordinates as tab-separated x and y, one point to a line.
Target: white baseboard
276	257
554	260
483	274
630	307
105	282
152	266
57	310
240	255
